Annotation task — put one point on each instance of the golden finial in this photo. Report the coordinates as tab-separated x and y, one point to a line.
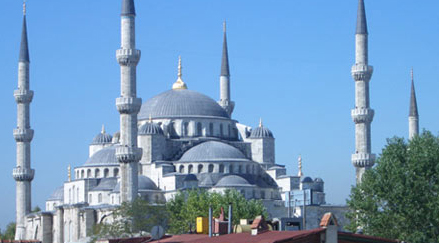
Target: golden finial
260	122
103	130
179	84
24	7
68	173
150	118
300	166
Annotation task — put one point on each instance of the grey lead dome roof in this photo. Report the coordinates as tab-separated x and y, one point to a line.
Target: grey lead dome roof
261	132
57	195
213	151
101	138
181	103
105	156
232	180
144	183
150	128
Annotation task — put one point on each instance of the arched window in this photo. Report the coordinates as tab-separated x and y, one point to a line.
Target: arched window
221	130
240	169
230	169
181	169
210	168
171	130
78	174
78	195
221	168
113	199
89	173
262	194
185	129
247	169
200	167
100	198
90	198
82	173
229	130
190	169
115	172
73	194
199	129
70	195
97	173
211	127
106	173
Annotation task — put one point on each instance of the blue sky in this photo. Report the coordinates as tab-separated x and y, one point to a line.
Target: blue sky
289	60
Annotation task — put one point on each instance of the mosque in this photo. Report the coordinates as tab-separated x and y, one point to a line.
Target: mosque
176	140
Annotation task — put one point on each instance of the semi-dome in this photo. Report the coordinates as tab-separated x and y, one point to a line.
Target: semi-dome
102	138
103	157
261	132
213	151
144	184
232	180
57	195
180	103
150	128
106	184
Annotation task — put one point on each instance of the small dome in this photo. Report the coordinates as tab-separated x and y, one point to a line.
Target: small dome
102	138
144	184
318	179
150	128
180	103
232	180
105	156
106	184
261	132
190	177
307	180
213	151
57	195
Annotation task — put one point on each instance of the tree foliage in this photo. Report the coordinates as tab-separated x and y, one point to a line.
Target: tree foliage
186	206
9	233
398	198
131	219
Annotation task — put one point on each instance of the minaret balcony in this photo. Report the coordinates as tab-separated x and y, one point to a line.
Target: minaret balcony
362	72
128	105
363	159
23	96
126	154
22	174
23	135
128	57
362	115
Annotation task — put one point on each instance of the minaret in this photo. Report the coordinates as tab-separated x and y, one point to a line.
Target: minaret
362	114
225	99
300	174
23	134
128	105
413	112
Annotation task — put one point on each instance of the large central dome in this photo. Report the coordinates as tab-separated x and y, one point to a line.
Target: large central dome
180	103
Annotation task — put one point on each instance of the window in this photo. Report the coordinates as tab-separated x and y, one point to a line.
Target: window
230	169
229	130
190	169
200	167
82	174
240	169
262	194
89	173
221	168
185	129
181	169
210	168
106	173
247	169
97	173
90	198
73	194
78	195
199	129
100	198
221	130
172	130
211	129
115	172
70	195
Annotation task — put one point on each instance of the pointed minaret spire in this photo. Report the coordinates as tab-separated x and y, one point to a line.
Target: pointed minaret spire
361	19
103	130
179	84
24	51
128	8
260	122
225	99
23	174
413	111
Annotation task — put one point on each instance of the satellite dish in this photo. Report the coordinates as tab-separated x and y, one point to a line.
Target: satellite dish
157	232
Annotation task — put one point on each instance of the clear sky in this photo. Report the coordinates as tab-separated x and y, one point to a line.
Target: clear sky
290	65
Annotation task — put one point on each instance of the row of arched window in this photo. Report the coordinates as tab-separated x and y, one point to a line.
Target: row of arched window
199	130
97	173
246	169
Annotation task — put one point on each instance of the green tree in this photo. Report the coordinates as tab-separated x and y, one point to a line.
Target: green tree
186	206
36	209
9	233
130	219
398	198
